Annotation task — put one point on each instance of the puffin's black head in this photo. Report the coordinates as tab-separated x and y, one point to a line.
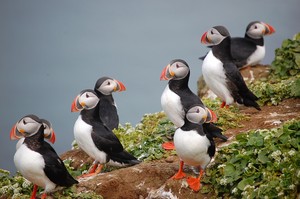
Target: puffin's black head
107	85
87	99
26	126
257	29
177	69
215	35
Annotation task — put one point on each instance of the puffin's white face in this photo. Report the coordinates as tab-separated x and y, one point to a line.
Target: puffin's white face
178	70
197	115
256	30
108	86
214	36
28	126
88	100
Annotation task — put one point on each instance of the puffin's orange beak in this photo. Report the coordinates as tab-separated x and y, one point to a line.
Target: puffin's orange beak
214	117
52	138
204	39
269	29
15	134
166	74
120	87
74	105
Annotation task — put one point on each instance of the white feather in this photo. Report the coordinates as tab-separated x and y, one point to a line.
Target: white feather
31	165
257	56
172	107
215	78
192	148
83	137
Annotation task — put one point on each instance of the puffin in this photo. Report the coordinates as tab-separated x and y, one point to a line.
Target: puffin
95	138
104	87
250	49
221	74
49	135
35	158
177	97
193	145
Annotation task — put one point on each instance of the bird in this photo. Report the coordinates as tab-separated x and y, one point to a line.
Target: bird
95	138
49	134
250	49
36	159
104	87
177	97
221	73
193	146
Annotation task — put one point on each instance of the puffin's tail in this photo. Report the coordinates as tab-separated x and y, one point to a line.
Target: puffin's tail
215	131
122	159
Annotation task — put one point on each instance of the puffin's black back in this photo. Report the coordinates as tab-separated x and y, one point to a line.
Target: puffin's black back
54	169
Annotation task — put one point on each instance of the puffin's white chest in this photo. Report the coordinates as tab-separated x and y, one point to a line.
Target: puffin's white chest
257	56
83	137
172	107
215	78
31	165
192	148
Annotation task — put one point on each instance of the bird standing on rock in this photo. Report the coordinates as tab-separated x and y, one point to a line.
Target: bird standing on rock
104	88
36	160
96	138
221	73
193	146
177	98
250	49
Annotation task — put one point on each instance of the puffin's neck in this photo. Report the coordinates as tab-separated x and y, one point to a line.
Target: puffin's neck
35	141
90	115
259	42
181	83
192	126
222	50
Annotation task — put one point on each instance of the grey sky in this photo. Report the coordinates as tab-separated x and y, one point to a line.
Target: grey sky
51	50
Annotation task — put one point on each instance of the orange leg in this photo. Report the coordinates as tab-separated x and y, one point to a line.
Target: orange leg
95	169
33	194
224	105
194	183
180	174
44	196
168	145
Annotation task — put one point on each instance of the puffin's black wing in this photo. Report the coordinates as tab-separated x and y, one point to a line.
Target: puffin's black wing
108	112
241	49
55	169
105	140
238	87
213	130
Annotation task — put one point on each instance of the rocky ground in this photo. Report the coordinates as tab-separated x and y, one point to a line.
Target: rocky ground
152	179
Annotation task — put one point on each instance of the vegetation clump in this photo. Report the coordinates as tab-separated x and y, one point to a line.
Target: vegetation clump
257	164
284	79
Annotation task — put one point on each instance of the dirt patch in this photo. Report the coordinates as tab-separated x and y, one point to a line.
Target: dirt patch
152	179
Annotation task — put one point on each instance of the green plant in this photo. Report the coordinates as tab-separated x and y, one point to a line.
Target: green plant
258	164
287	58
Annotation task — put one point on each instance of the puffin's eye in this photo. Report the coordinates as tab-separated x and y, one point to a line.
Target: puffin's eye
255	27
24	122
108	83
177	66
87	95
212	32
198	111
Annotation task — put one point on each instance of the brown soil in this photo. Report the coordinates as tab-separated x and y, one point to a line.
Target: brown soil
152	179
